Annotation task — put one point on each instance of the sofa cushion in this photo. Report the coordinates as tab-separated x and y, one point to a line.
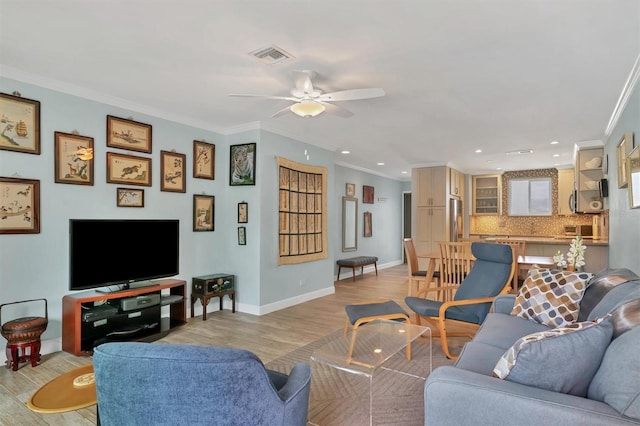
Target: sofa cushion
617	380
503	330
479	357
563	359
599	285
619	295
551	297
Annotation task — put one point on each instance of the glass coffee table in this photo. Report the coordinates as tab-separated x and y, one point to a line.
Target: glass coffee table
364	350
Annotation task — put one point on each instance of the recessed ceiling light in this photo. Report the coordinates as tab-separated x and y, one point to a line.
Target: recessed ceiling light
478	150
520	152
345	152
556	155
498	168
489	161
403	172
380	164
554	142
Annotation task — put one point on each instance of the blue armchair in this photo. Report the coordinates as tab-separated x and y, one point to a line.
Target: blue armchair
167	384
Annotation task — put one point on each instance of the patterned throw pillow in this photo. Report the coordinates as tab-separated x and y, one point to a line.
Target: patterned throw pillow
551	297
562	359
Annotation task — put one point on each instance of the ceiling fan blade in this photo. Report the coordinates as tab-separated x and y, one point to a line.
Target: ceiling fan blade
352	95
283	111
337	110
286	98
303	81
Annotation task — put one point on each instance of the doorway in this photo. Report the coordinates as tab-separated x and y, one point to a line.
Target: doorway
406	220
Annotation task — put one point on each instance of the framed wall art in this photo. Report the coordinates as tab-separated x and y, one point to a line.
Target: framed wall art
368	226
242	167
172	172
129	197
633	177
128	134
367	194
243	212
204	160
19	206
350	190
19	124
203	212
242	235
128	169
73	158
624	148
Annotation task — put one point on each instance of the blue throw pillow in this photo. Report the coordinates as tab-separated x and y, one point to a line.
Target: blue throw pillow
563	359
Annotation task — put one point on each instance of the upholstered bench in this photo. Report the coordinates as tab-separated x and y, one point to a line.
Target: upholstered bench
358	261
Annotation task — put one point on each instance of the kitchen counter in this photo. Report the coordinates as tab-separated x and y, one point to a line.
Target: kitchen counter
540	239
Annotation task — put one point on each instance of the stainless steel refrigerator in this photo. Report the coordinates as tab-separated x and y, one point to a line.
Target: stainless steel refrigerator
455	219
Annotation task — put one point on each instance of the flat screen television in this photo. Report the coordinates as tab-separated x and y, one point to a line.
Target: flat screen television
122	252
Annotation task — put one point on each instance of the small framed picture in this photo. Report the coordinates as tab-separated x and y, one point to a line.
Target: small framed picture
242	235
73	159
243	212
367	194
242	167
20	124
368	226
172	173
128	134
204	160
623	149
351	190
203	212
128	169
129	197
19	206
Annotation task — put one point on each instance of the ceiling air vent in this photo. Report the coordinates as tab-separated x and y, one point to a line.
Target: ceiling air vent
271	55
520	152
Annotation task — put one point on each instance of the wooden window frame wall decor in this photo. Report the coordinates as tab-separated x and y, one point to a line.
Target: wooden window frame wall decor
130	197
20	127
172	172
204	160
243	212
623	149
242	164
302	212
121	165
128	134
367	194
204	207
73	159
19	206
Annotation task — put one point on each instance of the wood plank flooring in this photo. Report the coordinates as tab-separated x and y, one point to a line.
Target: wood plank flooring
269	336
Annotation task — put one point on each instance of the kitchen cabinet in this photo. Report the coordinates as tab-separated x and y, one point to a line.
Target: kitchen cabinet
431	186
566	183
588	176
487	195
456	183
431	227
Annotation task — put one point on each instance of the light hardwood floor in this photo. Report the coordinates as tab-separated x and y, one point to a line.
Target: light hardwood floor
268	336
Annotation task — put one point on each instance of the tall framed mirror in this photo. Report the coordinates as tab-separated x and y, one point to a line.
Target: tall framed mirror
349	224
633	170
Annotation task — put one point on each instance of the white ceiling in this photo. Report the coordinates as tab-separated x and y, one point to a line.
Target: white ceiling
499	75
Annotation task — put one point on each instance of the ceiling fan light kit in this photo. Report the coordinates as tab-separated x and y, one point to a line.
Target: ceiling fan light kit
307	108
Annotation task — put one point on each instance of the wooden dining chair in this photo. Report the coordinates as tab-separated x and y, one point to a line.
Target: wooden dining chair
455	264
519	249
416	276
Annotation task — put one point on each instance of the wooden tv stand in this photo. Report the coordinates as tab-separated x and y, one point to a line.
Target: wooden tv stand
140	324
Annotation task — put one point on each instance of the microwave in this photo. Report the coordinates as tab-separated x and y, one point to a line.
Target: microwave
575	230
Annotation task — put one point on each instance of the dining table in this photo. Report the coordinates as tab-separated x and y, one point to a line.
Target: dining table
433	257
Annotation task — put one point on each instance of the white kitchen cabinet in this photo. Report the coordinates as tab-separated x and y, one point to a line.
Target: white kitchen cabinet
588	177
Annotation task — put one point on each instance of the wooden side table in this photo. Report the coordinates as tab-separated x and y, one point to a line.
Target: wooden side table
206	287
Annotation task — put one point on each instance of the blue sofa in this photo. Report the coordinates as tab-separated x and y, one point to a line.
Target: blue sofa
168	384
468	392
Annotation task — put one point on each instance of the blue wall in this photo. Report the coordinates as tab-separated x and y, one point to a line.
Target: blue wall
36	265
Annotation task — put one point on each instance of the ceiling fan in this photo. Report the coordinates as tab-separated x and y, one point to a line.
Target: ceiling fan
310	101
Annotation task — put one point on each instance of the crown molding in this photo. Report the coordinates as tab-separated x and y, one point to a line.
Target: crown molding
627	91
